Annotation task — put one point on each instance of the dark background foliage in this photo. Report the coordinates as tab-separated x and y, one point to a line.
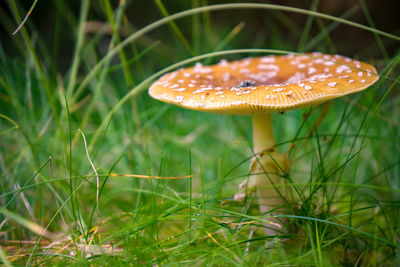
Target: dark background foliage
259	24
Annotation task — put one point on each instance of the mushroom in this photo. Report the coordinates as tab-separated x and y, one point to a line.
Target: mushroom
258	87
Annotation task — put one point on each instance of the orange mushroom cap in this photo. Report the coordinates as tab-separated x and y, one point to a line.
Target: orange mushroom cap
264	84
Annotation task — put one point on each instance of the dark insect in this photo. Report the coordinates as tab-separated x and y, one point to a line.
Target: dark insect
247	83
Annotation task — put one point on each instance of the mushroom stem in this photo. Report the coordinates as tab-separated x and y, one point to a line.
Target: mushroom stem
263	134
266	171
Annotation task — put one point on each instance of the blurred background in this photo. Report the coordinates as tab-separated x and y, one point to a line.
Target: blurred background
279	30
344	153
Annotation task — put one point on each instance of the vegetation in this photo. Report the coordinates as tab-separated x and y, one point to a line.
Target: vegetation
95	172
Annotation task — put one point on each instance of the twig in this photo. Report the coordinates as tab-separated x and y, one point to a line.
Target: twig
94	169
26	18
54	188
248	243
152	177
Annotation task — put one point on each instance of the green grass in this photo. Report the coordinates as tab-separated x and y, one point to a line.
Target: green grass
345	195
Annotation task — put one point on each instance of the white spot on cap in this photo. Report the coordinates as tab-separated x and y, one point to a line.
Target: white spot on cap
172	75
180	89
246	62
223	62
332	84
298	76
342	68
243	92
202	90
198	67
290	93
311	70
187	74
318	61
351	81
360	73
307	87
319	77
226	76
279	89
362	81
329	63
262	76
268	67
268	59
179	98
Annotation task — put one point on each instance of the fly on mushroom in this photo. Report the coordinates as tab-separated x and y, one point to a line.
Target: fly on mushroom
257	87
246	83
